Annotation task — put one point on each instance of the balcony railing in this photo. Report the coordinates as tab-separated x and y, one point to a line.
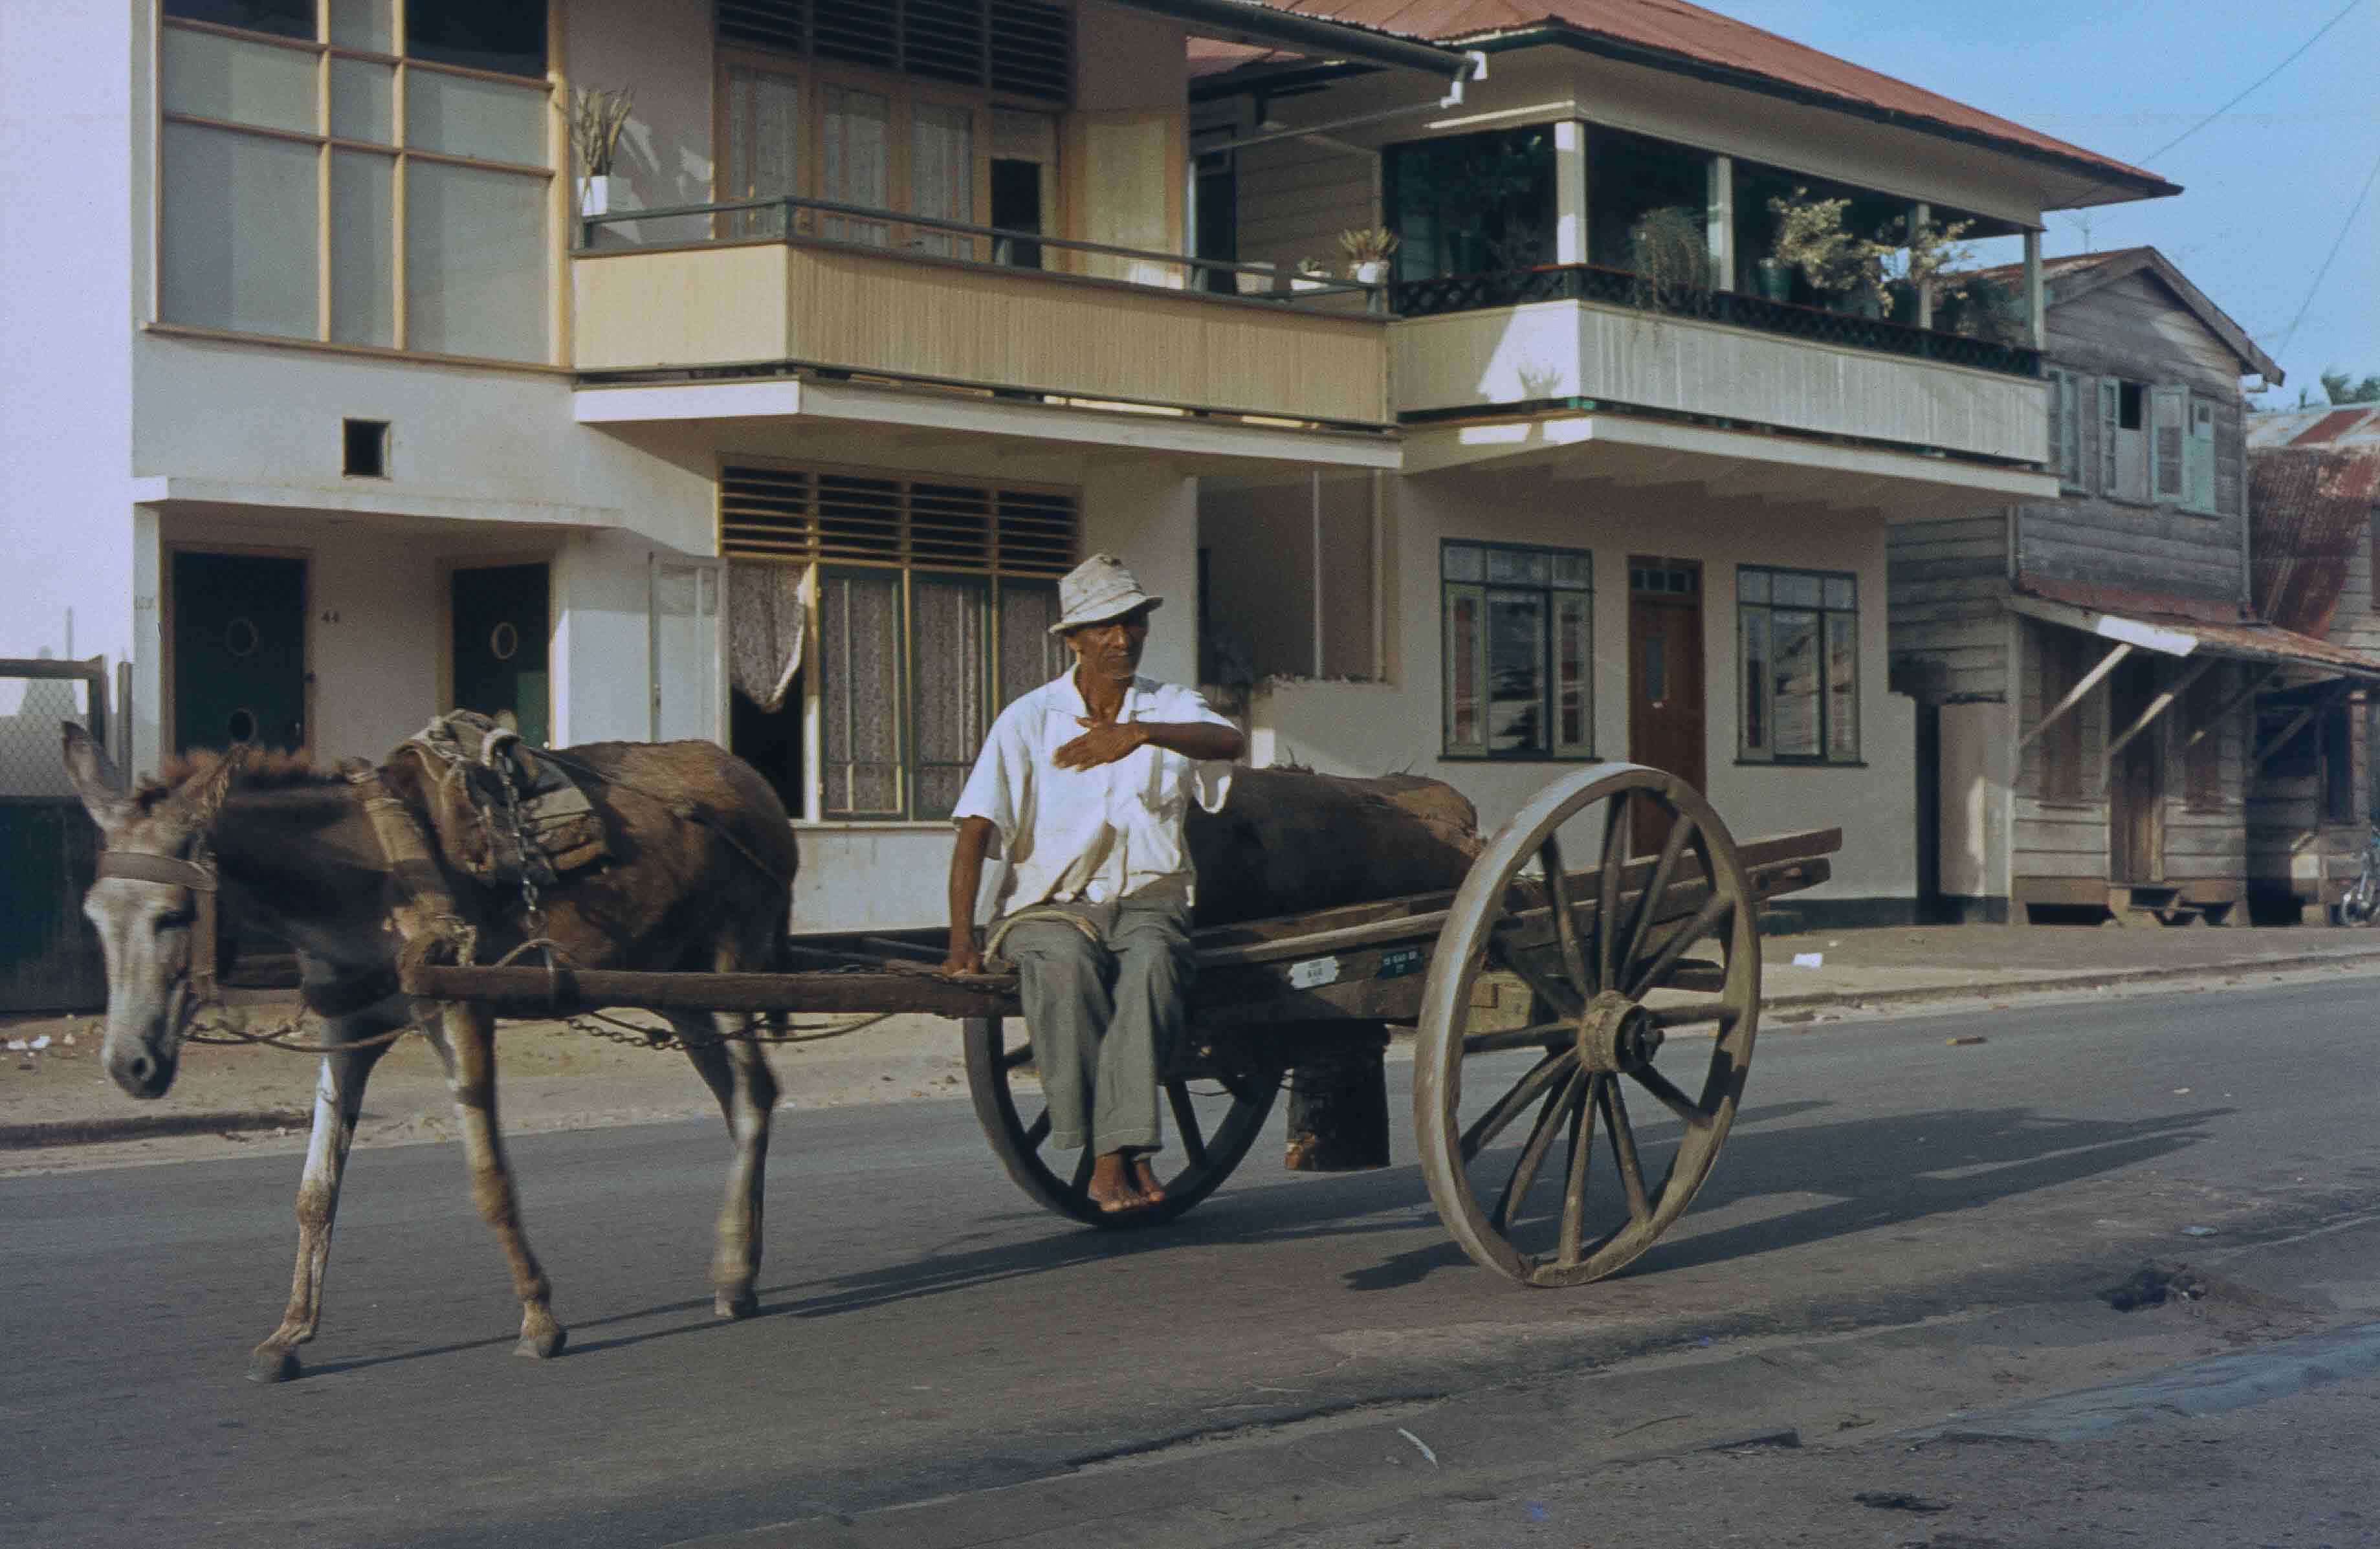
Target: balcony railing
762	288
1616	287
877	230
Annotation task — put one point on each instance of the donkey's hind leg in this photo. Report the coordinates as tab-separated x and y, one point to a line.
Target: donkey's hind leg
338	1100
467	1042
738	1076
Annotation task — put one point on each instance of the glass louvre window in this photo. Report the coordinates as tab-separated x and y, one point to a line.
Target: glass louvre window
1518	642
258	127
1022	48
1471	205
936	599
1798	634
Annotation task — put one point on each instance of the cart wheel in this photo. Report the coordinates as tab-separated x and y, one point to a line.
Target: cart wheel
1208	1144
1540	1093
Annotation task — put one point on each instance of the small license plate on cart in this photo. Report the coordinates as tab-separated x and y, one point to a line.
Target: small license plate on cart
1314	973
1398	961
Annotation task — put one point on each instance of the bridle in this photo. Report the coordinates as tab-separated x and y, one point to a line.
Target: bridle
198	876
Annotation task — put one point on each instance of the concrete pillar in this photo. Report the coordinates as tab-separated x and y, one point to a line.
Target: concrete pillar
1570	191
1721	207
2035	307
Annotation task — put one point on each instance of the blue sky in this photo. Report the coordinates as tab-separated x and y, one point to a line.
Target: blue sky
2265	186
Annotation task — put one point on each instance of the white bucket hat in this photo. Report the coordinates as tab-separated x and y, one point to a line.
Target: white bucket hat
1097	590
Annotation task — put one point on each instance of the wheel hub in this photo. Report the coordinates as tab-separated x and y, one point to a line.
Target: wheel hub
1615	1035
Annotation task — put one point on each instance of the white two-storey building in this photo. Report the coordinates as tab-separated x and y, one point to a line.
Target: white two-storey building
339	398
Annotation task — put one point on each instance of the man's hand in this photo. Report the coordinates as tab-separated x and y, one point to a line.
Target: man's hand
965	957
1103	742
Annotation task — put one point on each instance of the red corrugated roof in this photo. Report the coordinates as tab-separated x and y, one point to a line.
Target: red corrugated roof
2219	628
1690	35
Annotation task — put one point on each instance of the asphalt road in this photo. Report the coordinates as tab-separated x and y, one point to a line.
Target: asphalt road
925	1332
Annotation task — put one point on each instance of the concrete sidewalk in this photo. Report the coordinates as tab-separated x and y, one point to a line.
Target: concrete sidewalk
57	1108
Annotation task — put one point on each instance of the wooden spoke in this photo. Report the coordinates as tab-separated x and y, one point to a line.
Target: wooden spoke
1020	1056
1623	1151
1640	926
1525	1171
1185	1119
1582	1151
1037	1132
1508	1108
1534	1035
1676	1102
1707	919
1616	823
1564	1000
1573	958
1690	1013
1083	1171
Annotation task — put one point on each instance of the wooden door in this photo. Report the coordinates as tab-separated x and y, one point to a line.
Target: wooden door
1666	726
239	651
2136	783
500	618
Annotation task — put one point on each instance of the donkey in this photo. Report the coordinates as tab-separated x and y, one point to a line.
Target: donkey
702	859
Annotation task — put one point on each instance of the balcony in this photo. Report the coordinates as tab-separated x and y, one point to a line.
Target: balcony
1564	335
766	288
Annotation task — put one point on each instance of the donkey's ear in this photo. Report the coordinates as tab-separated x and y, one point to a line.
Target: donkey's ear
95	779
194	807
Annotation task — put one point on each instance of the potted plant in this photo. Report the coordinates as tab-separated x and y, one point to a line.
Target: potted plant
1313	273
1774	277
597	118
1810	238
1367	253
1926	252
1669	250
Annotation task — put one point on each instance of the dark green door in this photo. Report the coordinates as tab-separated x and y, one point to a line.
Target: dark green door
239	651
500	646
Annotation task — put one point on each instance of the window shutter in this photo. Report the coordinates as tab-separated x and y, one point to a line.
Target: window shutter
2110	407
2065	455
2198	458
2168	409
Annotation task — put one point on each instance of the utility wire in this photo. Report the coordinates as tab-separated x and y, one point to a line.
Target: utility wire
2345	226
2252	85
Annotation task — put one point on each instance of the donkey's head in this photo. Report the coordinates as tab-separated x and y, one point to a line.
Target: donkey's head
145	906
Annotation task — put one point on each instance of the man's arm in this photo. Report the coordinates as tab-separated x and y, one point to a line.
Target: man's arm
966	881
1105	742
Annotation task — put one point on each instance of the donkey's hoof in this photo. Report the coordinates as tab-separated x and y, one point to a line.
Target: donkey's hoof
736	1305
542	1345
272	1363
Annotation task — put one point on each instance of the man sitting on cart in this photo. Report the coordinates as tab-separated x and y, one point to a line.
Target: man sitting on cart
1087	781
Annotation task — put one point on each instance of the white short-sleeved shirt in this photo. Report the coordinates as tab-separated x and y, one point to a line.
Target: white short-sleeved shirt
1089	835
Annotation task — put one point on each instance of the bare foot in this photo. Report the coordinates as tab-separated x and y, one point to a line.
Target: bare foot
1145	1178
1112	1187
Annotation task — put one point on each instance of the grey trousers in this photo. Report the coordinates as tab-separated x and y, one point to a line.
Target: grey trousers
1103	1014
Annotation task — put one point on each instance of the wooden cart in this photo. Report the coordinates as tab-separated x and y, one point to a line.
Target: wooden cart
1547	995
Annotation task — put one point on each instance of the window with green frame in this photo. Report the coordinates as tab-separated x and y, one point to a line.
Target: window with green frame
1519	651
935	600
1799	633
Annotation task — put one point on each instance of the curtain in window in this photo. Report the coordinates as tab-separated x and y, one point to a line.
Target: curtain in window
941	175
764	159
856	147
951	632
476	261
239	219
1795	682
1029	655
768	612
859	629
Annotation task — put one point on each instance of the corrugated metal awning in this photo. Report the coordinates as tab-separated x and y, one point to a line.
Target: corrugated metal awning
2185	628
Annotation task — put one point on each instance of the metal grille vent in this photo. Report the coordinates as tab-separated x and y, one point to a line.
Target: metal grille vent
1019	47
796	513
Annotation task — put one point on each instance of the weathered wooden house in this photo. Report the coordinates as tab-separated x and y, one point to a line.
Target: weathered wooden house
2313	501
2087	670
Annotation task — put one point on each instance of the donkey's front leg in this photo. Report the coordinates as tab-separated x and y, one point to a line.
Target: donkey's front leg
466	1040
338	1100
738	1076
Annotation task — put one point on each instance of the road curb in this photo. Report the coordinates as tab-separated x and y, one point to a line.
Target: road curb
100	1132
1923	994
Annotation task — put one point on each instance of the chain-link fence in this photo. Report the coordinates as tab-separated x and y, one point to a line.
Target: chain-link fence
49	847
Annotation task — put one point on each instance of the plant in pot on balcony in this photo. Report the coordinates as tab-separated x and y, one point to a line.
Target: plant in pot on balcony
1368	251
597	118
1669	250
1811	237
1926	258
